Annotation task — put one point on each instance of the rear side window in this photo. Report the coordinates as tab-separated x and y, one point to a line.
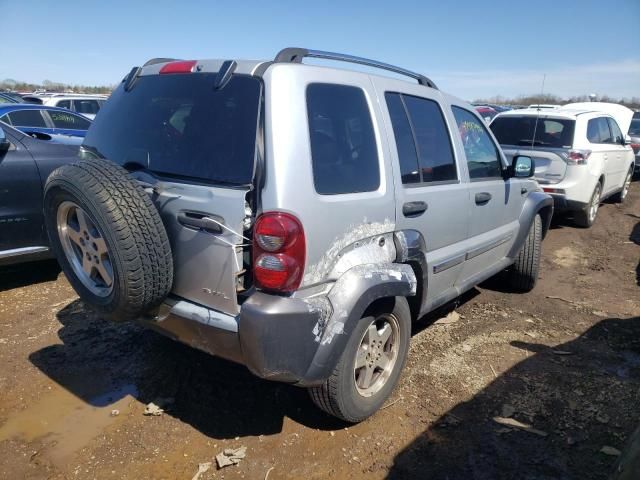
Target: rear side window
180	125
68	121
483	158
86	106
549	132
422	138
64	104
343	146
27	118
615	131
598	131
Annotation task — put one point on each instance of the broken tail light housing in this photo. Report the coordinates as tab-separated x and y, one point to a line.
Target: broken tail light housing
577	157
183	66
279	252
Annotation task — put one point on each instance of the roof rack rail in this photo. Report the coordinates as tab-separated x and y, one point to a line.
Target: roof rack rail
295	55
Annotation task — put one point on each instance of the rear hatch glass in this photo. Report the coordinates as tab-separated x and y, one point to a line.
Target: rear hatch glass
544	139
534	131
179	125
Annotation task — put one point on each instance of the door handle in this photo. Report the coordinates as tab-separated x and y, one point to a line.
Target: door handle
482	198
200	221
414	209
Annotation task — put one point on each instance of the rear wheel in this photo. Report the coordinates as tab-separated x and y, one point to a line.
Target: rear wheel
622	194
108	237
587	216
523	274
370	365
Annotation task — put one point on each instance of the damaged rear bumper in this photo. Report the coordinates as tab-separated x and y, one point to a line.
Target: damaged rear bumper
287	339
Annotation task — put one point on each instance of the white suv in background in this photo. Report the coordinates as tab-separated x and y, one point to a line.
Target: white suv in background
87	105
581	155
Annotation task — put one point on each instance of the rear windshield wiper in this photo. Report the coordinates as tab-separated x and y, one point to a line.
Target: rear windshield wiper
534	142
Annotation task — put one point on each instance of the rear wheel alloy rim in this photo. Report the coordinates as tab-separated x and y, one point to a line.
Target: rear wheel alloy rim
85	248
377	355
627	184
595	204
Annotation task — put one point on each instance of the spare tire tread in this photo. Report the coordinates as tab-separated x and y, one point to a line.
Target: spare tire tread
133	222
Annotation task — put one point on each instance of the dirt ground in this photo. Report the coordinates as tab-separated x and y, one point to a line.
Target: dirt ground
564	359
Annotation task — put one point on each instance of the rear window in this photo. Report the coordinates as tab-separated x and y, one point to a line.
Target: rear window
180	125
634	128
27	118
598	131
549	132
86	106
343	145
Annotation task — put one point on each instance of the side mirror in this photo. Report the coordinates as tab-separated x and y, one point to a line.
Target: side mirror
523	166
626	140
4	143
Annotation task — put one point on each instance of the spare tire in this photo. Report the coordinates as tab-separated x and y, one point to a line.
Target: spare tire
108	237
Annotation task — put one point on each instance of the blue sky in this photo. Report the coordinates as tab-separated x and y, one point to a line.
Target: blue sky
469	48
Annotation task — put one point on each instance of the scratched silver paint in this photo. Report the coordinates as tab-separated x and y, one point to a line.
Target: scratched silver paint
345	293
360	245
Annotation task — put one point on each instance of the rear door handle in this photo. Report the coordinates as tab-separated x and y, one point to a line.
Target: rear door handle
482	198
414	209
200	221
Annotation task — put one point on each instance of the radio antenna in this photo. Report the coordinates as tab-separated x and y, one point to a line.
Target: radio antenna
535	126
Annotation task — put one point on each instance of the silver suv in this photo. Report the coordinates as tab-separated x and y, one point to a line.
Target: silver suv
290	217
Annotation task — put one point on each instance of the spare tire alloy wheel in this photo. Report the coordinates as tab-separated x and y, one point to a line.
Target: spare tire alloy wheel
376	357
85	248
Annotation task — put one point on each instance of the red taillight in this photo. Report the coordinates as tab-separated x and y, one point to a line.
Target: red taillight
577	157
278	252
185	66
635	147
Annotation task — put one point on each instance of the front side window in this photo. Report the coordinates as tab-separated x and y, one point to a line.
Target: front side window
68	121
598	131
27	118
64	104
343	146
616	133
483	157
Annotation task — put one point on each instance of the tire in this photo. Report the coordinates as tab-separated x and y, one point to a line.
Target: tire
523	274
108	237
586	217
622	194
340	395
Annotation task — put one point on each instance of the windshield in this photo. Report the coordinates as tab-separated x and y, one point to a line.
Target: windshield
180	125
634	128
549	132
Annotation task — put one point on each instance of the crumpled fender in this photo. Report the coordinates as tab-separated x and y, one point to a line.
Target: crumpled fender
347	301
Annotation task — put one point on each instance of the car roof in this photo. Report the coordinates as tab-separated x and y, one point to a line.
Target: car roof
12	107
562	112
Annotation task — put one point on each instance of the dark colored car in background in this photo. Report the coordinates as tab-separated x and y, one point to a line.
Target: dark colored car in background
634	133
57	125
10	97
25	164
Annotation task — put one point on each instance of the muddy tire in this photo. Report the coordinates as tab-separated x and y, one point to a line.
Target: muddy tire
586	217
523	274
370	365
108	237
621	196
